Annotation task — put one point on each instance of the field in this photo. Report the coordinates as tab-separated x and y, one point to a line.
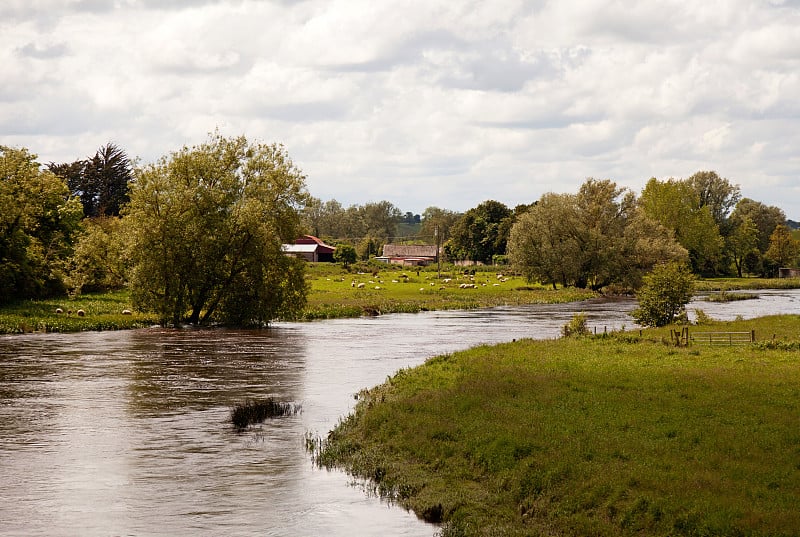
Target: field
614	435
336	292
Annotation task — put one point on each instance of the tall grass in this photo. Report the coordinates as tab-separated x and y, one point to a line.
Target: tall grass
615	435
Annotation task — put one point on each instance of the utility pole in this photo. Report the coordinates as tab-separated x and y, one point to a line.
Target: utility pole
438	248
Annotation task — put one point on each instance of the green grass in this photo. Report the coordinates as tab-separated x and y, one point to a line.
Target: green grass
615	435
729	284
103	312
390	289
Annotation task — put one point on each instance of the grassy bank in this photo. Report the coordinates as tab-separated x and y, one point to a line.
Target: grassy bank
620	435
101	312
706	285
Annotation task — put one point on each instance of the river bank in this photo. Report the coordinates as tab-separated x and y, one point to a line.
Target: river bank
614	435
335	292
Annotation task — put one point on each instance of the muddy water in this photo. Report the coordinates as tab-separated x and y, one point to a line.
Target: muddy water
126	433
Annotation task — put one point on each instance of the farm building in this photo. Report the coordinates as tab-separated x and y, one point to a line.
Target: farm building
309	248
405	254
788	273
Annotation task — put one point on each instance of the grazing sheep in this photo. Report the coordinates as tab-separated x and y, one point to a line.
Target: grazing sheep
361	285
59	311
377	287
80	313
127	312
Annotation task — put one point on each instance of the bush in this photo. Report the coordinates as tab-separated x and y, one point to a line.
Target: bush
664	294
576	327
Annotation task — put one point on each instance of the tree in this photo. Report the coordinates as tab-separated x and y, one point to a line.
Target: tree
37	223
716	193
742	241
766	219
435	219
595	238
206	225
345	254
677	206
664	294
101	182
98	262
478	234
783	248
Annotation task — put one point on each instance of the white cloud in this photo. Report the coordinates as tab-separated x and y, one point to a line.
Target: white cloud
424	102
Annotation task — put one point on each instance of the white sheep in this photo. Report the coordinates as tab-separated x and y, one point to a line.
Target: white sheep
361	285
80	313
59	311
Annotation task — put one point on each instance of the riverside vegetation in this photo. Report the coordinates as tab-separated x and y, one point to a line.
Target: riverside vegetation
333	292
623	434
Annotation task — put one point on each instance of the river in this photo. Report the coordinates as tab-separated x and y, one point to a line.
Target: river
127	433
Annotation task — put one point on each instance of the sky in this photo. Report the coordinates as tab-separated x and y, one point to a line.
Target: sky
420	102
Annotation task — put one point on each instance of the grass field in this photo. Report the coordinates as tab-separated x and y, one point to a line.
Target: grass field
336	292
615	435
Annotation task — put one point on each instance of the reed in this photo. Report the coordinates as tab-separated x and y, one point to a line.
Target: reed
251	412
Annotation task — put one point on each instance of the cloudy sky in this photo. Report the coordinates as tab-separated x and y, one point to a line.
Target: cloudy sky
423	103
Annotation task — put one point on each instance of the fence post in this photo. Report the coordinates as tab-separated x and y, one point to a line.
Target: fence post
753	336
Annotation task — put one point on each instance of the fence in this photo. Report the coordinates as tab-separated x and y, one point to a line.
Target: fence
723	338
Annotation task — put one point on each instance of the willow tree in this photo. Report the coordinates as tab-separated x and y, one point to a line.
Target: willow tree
595	238
206	225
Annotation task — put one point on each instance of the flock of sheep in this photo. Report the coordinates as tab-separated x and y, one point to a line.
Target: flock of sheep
446	281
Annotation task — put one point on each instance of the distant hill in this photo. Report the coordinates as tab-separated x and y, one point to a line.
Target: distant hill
792	224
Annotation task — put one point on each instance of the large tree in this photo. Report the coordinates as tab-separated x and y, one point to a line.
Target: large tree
676	205
37	222
480	234
766	219
594	238
206	225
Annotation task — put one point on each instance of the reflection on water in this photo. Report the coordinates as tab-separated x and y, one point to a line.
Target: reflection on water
127	433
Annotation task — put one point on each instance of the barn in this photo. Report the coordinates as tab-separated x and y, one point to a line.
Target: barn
310	248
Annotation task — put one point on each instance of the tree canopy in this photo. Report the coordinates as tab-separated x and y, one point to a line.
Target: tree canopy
206	225
37	223
594	238
480	234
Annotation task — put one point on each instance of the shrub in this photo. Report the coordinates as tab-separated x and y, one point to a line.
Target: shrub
664	294
576	327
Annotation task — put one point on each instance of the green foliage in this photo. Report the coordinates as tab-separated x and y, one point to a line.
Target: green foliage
37	223
594	239
677	205
480	233
206	226
345	254
100	182
664	294
577	326
783	248
98	262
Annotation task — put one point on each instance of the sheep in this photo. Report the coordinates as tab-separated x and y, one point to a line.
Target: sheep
127	312
80	313
59	311
361	285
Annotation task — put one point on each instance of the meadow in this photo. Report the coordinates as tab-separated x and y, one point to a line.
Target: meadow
619	434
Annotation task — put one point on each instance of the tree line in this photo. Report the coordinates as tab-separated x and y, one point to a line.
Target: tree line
197	235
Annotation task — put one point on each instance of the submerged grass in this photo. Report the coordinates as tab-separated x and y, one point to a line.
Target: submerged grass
614	435
245	414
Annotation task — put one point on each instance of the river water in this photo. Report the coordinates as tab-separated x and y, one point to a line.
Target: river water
127	433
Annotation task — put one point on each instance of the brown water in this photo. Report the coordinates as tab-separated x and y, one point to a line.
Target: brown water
127	433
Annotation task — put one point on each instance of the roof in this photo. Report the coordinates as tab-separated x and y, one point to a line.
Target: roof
406	250
299	248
